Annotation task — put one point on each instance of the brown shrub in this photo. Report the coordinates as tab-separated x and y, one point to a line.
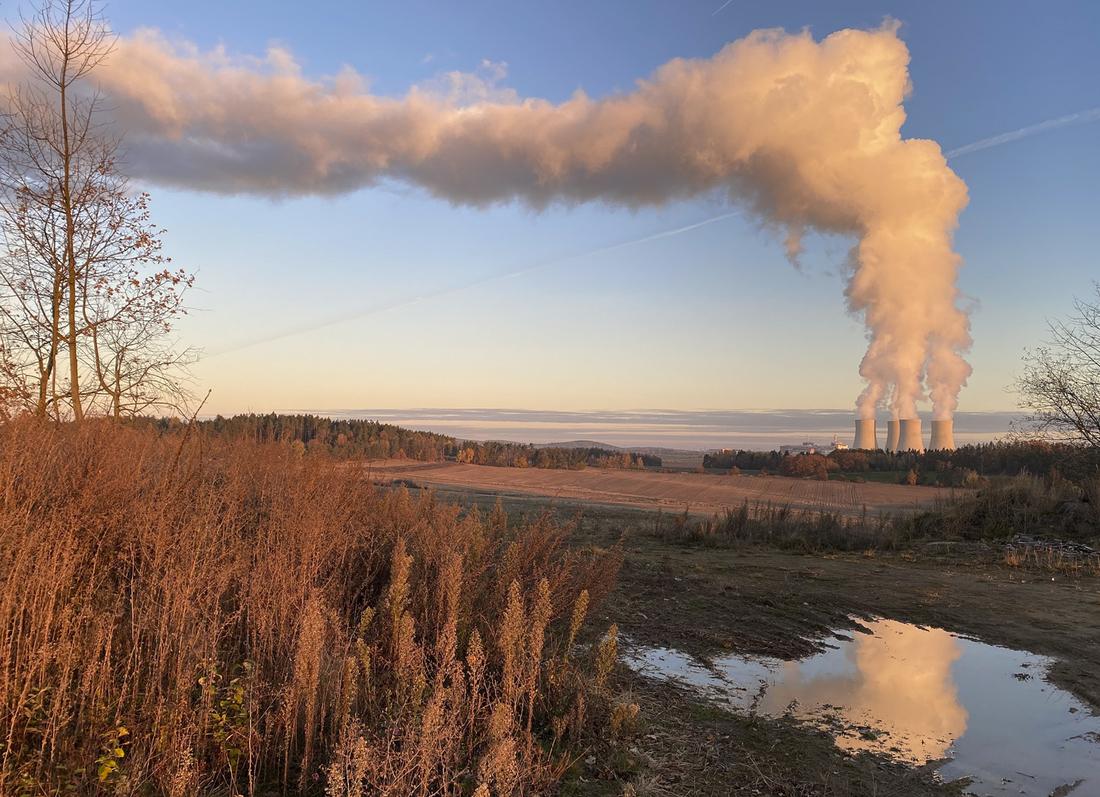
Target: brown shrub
234	616
805	465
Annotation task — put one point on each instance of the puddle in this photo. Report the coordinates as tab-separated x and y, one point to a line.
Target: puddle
918	695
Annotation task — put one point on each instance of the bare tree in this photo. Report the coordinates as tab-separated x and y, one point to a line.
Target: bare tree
31	295
83	281
1060	384
61	45
128	312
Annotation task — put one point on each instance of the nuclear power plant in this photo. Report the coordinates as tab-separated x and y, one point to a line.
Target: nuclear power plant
904	435
943	436
909	436
893	432
866	436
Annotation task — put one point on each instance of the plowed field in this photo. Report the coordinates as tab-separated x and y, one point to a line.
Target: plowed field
697	492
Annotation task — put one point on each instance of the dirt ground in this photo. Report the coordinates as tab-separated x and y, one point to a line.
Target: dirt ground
707	601
772	603
701	493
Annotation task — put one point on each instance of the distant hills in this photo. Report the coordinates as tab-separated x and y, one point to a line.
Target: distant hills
659	431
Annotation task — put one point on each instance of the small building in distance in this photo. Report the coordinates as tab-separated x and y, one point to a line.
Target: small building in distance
809	447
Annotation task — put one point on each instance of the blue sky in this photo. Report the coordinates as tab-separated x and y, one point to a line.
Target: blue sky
711	318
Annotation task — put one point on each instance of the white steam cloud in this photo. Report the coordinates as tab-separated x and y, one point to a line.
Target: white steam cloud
805	134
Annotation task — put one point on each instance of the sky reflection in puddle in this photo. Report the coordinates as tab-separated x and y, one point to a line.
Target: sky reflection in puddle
918	694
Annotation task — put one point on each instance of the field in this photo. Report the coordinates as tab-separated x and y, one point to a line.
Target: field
697	493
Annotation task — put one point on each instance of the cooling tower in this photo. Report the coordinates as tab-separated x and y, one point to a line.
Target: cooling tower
866	435
943	436
893	432
909	437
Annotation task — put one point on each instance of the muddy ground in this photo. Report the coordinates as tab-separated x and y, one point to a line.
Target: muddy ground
752	600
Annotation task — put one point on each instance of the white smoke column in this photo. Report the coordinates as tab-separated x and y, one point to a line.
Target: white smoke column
805	134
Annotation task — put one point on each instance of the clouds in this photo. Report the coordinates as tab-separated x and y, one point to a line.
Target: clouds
805	134
483	85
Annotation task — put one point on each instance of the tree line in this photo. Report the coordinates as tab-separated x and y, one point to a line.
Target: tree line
521	455
1001	458
316	434
368	439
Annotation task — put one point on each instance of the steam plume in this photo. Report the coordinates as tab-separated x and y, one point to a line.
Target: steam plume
805	134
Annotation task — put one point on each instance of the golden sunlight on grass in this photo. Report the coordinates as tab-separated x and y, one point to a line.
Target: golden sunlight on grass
180	616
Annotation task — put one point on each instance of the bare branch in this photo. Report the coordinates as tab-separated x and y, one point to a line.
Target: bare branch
1060	383
83	281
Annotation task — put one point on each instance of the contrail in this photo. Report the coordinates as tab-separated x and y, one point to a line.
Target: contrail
1081	117
721	8
447	291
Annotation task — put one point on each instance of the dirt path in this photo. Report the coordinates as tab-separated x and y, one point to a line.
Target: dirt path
701	493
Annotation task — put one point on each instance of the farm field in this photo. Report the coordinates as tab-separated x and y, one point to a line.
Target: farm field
697	493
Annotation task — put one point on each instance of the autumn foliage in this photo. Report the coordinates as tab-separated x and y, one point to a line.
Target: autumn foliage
185	616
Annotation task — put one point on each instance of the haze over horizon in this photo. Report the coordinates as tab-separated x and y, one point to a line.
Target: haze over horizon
695	430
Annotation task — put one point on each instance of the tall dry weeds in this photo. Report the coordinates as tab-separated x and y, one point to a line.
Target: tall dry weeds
234	617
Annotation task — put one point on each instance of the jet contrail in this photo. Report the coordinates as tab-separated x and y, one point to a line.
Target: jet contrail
447	291
1081	117
721	8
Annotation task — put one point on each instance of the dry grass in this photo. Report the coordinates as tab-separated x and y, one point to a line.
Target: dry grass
1052	558
232	618
787	528
1061	518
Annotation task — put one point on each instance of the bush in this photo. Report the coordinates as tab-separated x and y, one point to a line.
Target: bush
783	527
805	466
1025	505
198	616
851	460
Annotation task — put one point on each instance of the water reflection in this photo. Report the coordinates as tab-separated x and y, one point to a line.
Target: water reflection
896	683
919	695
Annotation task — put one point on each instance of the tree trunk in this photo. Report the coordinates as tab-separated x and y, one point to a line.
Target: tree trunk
70	249
48	374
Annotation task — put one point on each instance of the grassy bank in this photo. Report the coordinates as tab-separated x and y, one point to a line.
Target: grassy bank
1006	508
183	616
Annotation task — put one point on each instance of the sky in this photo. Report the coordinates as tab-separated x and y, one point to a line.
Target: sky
389	297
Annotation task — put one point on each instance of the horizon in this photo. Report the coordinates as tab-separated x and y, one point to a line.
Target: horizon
686	430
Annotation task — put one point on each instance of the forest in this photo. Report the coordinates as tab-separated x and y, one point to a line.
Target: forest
341	438
367	439
1003	458
519	455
